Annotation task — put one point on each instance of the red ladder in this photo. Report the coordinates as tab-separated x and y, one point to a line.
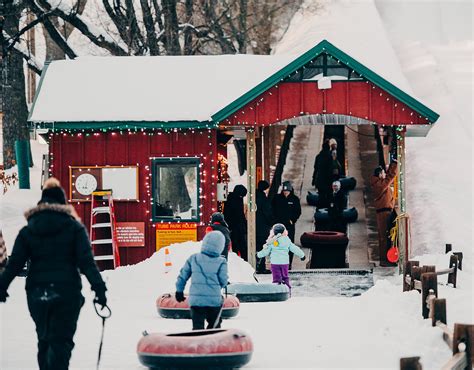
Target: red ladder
105	248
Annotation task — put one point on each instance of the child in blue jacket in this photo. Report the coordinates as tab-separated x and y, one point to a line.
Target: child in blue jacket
208	272
278	247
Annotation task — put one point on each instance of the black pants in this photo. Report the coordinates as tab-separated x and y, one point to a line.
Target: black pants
261	240
239	243
199	314
291	234
55	316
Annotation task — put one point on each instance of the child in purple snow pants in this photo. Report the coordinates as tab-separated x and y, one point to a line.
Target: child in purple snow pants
278	247
280	275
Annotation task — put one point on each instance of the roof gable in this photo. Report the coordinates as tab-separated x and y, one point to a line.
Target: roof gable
326	47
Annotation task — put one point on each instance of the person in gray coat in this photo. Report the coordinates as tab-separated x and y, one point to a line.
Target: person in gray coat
208	272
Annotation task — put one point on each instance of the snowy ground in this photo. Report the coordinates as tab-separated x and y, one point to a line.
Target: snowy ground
370	331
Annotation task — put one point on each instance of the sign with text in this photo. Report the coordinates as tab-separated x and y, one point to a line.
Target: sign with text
167	234
130	234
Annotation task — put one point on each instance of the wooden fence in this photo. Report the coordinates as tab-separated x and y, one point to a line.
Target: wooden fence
460	340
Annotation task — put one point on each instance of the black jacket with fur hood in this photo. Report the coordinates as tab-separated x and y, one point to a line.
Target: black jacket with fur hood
58	247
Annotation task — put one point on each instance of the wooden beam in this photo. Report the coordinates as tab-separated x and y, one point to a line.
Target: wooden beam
403	233
251	196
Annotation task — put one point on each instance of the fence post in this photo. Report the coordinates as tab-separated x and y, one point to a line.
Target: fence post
415	275
410	363
438	311
464	334
449	248
429	281
452	277
408	271
459	255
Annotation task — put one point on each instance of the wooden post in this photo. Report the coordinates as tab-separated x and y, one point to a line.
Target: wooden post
429	281
415	275
460	256
449	248
408	269
464	334
403	246
438	311
410	363
453	263
251	197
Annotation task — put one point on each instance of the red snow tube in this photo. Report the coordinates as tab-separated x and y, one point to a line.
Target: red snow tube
199	349
328	248
169	308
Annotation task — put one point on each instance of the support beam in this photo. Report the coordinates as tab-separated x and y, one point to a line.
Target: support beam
403	235
251	196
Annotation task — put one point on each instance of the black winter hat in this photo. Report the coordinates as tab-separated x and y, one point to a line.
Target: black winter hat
53	192
278	229
378	171
263	185
287	186
240	190
217	217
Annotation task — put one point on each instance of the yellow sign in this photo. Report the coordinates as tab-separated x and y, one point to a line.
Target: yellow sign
167	234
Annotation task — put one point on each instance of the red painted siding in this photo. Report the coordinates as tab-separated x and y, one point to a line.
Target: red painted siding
113	148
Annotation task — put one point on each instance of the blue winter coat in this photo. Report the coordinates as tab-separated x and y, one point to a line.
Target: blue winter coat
208	272
278	248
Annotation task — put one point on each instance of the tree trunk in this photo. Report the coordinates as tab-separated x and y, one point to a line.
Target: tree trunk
171	27
15	111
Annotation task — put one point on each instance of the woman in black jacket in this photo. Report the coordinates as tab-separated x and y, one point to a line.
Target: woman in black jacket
58	248
235	217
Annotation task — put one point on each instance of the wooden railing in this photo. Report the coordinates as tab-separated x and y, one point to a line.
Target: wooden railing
461	339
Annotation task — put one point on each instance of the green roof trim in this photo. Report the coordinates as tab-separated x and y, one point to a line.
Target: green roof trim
326	47
116	125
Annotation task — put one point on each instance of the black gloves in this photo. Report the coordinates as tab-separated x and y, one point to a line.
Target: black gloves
179	296
100	298
303	258
3	295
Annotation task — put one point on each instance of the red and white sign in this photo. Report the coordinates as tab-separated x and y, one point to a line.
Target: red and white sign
130	234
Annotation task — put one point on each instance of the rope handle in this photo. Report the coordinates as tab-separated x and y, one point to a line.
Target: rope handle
103	312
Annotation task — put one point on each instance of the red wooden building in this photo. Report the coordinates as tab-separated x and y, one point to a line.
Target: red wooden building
149	127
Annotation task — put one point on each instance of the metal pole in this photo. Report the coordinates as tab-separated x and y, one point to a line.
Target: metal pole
251	196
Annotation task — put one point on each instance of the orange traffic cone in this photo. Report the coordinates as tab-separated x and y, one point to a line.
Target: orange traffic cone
168	263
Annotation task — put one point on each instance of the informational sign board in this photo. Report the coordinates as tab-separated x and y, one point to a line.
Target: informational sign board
130	234
167	234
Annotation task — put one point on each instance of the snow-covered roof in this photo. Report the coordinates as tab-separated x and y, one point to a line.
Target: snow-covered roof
162	88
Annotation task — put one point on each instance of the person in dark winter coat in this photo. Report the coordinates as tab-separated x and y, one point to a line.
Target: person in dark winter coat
287	210
218	224
336	168
264	221
235	217
3	252
58	247
322	174
384	203
337	203
208	273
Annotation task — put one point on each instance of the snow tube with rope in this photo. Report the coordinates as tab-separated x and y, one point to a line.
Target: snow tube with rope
199	349
259	292
169	308
349	215
348	183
